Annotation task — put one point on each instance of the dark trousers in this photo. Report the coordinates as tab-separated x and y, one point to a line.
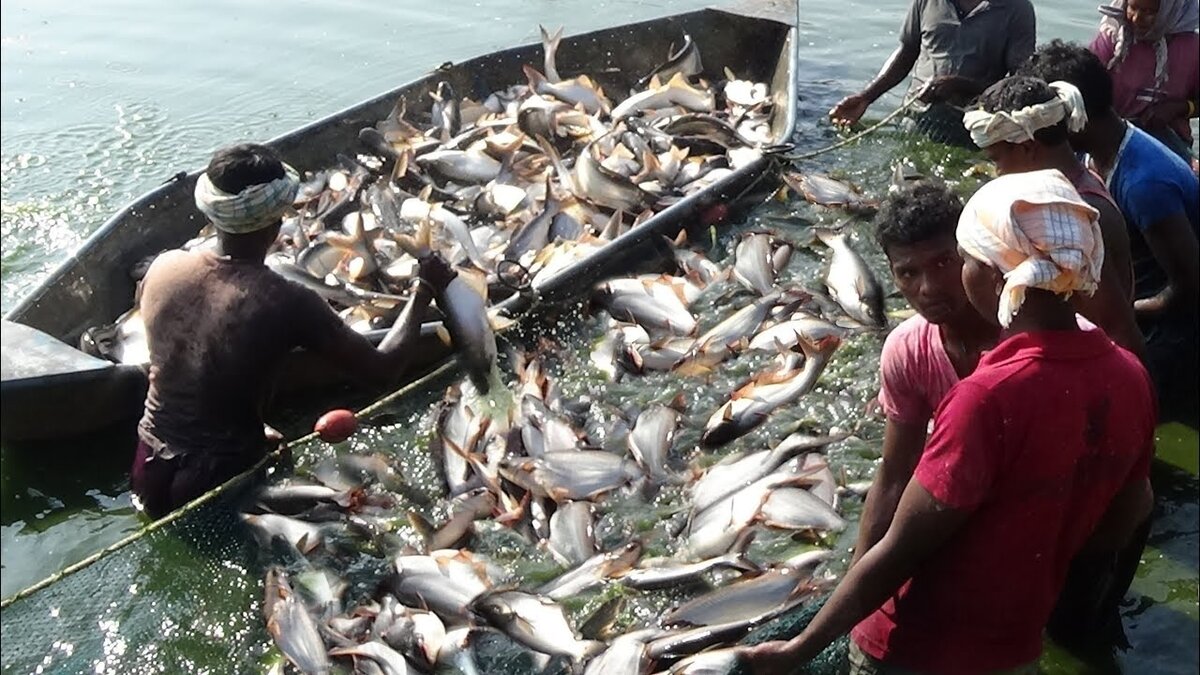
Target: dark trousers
163	485
1087	618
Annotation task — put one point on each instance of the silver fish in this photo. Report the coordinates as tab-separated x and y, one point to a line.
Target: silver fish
302	535
445	112
572	539
291	626
461	166
571	475
792	508
577	91
682	643
754	599
604	187
626	654
719	341
391	661
685	61
717	662
676	92
852	283
593	572
750	405
787	334
536	622
658	574
825	191
753	267
659	312
651	439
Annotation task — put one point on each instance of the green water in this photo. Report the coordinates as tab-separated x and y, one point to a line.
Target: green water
103	101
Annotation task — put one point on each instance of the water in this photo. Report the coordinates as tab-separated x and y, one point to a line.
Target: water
104	101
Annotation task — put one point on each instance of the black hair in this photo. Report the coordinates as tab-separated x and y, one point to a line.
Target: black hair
1075	64
1019	91
918	213
237	167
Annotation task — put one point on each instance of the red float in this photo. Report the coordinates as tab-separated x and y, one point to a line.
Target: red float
336	426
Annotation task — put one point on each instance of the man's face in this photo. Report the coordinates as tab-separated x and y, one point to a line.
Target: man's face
981	283
929	275
1010	157
1141	14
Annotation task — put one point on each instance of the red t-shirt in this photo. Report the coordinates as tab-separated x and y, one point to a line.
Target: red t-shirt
1034	444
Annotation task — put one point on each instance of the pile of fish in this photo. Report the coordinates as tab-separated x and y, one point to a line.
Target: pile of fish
556	478
514	187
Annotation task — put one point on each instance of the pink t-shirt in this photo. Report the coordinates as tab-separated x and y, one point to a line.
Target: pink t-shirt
915	373
1137	73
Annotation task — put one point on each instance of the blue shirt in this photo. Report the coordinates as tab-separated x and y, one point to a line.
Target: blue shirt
1150	183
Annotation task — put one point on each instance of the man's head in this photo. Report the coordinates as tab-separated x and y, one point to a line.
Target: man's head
1073	63
1025	233
245	190
1034	103
915	228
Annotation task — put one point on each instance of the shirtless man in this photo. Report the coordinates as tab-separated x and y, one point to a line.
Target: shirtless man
220	322
1008	111
1043	451
1159	196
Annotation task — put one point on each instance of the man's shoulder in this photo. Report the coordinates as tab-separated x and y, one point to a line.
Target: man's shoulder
909	335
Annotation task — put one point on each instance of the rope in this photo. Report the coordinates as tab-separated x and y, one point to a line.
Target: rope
862	134
523	287
221	489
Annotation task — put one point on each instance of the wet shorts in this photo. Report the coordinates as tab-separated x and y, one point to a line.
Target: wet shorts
163	485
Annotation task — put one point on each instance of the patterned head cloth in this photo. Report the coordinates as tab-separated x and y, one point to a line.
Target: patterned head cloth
1018	126
1036	229
1174	16
250	210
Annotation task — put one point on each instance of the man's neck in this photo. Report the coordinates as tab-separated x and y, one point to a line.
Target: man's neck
1043	310
1108	132
971	332
1060	157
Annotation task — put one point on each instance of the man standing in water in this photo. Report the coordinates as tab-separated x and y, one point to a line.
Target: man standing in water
954	49
1159	196
219	323
1043	451
1021	125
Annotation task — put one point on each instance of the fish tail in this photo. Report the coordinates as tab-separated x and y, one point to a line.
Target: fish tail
420	244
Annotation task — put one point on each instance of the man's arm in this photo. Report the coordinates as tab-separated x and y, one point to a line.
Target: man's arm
902	446
354	352
897	67
1174	246
922	526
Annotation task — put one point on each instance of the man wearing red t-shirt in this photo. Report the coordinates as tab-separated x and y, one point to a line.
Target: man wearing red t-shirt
1042	452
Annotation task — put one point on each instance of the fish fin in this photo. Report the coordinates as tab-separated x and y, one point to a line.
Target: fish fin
742	543
476	280
729	74
678	81
534	77
443	334
654	83
679	403
422	525
681	238
500	323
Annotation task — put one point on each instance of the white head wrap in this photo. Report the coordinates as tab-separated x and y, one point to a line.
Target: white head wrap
250	210
1174	16
1019	126
1036	229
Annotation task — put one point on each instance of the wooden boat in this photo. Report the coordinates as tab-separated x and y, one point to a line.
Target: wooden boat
52	390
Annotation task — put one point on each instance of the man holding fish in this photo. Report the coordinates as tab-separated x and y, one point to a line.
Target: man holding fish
1040	453
954	49
219	323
